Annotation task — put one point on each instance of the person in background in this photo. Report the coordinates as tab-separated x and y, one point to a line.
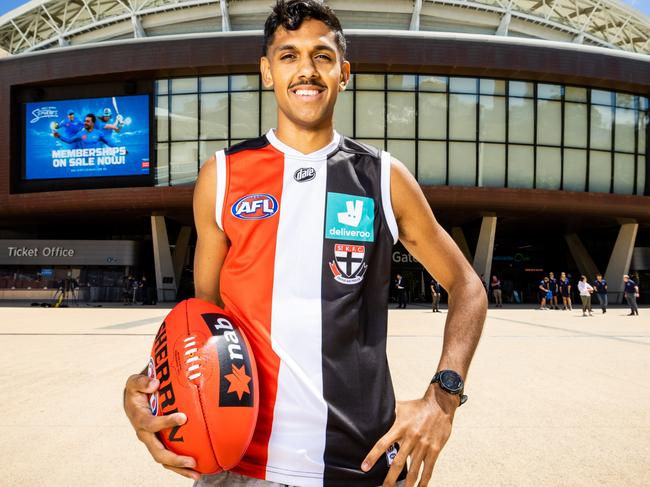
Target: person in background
600	285
435	294
631	293
585	290
400	286
544	290
554	289
495	284
564	286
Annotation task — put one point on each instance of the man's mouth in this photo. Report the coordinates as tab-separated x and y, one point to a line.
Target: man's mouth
307	92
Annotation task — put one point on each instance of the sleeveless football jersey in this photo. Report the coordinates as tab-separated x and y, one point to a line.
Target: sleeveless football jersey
307	274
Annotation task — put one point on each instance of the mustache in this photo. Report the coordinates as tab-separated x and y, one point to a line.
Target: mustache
306	83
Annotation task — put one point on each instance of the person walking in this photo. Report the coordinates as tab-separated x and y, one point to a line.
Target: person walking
495	284
435	295
600	285
564	286
631	293
585	289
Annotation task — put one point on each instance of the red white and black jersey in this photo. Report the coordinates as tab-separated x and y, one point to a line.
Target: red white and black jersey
308	275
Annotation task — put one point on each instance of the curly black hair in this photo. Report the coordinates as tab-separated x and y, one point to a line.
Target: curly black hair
290	14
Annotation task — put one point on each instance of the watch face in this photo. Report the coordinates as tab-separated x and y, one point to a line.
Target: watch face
451	381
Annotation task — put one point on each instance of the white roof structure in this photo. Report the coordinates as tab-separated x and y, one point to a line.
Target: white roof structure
42	24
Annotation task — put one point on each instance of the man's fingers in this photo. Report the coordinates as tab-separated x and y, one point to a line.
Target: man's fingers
154	424
141	383
164	456
427	470
414	468
399	462
379	449
185	472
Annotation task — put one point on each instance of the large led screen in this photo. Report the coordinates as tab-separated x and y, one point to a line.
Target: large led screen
87	138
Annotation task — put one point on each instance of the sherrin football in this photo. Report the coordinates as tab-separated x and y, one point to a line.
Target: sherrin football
206	370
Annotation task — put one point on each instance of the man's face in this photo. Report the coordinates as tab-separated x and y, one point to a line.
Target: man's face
71	116
626	279
88	123
306	71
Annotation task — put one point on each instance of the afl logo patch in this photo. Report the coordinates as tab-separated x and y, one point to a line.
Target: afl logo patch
255	207
304	174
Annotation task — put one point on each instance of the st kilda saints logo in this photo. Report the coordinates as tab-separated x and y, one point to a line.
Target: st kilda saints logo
304	174
236	385
348	265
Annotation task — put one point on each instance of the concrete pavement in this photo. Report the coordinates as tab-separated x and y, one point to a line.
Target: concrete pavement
555	399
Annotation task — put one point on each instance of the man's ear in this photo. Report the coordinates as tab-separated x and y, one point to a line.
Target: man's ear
265	71
345	75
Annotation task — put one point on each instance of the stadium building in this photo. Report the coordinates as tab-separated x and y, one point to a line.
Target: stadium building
524	121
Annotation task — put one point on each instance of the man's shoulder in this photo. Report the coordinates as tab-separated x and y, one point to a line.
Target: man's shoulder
249	144
353	146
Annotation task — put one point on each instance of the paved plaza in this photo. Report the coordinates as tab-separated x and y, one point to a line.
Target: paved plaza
555	399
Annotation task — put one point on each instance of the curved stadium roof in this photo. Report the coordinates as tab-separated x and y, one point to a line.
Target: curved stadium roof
43	24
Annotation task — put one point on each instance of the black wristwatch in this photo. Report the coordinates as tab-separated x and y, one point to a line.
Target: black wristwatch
452	383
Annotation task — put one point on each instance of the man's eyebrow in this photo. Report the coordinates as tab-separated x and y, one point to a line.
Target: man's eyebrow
291	47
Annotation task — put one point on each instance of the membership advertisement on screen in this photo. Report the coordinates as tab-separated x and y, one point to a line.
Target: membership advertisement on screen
89	137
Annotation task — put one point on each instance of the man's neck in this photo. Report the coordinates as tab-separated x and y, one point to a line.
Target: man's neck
304	140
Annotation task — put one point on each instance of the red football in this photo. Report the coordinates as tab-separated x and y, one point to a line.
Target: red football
206	370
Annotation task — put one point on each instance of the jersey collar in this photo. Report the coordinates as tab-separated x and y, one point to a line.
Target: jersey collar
290	151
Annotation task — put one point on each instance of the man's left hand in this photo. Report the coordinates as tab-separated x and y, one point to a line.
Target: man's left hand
422	428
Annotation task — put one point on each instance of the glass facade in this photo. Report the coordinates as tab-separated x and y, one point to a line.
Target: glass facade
457	131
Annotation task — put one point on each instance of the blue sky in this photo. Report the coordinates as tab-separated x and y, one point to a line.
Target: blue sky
642	5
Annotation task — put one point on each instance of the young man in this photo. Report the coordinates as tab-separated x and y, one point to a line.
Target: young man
585	290
600	285
309	281
631	293
543	292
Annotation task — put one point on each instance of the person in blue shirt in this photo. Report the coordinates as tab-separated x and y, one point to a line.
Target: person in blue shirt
631	293
554	289
600	285
105	125
88	137
544	292
69	127
564	286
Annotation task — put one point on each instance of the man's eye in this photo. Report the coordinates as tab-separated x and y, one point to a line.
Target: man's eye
323	57
287	57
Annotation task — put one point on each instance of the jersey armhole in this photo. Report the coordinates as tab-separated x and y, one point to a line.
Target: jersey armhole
221	173
385	196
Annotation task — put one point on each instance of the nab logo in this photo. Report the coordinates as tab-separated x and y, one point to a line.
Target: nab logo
352	216
304	174
255	207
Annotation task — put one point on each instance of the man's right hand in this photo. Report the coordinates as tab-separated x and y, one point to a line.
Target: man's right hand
146	425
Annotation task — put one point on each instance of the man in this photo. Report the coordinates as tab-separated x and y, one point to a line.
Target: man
104	123
554	289
564	286
495	284
543	292
400	287
88	137
631	293
600	285
309	282
435	295
70	127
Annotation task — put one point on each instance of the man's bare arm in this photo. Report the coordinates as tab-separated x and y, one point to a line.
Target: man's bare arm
422	426
432	246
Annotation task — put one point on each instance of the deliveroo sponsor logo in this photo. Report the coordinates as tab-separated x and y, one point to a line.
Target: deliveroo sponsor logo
350	217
